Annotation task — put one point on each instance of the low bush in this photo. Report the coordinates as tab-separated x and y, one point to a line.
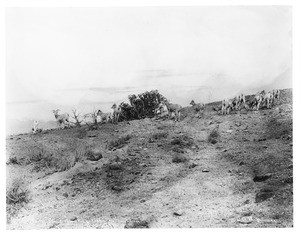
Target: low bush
213	136
119	143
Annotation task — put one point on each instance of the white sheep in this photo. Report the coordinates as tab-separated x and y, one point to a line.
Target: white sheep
107	117
227	105
258	99
173	108
116	113
61	118
276	95
197	107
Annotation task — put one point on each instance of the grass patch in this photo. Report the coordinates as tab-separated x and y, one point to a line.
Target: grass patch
57	159
17	195
160	135
119	143
13	161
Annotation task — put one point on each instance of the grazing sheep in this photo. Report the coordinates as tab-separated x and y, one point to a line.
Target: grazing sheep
258	99
116	113
61	118
173	108
240	100
227	105
107	117
268	98
197	107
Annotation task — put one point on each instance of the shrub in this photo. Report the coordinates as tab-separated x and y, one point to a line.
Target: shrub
17	195
141	106
213	136
119	143
13	160
17	192
179	158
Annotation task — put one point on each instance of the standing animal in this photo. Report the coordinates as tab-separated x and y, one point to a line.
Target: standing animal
240	100
227	105
107	117
197	107
61	118
116	113
268	98
276	95
173	108
258	99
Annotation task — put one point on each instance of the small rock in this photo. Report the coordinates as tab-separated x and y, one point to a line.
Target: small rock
159	145
260	178
115	166
136	223
192	165
265	146
82	211
94	155
143	200
53	225
247	201
262	139
116	188
238	124
210	123
73	218
178	213
263	195
73	195
92	135
225	150
291	144
57	188
151	140
205	170
66	195
213	141
289	180
290	166
241	163
246	220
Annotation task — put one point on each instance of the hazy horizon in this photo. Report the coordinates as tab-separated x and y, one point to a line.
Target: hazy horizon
88	58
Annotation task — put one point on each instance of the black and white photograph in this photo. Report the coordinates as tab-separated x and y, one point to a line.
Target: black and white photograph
135	117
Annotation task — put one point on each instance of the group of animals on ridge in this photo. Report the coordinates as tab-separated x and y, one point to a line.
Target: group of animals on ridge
166	108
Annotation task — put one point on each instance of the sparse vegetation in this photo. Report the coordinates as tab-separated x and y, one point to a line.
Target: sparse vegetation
17	195
119	143
179	158
13	160
160	135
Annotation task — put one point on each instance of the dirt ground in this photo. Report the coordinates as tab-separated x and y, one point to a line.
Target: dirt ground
208	171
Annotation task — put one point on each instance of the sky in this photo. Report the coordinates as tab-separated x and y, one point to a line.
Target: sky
93	57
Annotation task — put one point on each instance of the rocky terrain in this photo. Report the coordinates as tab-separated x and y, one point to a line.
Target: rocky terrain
207	170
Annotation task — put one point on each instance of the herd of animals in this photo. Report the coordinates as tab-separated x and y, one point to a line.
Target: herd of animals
166	108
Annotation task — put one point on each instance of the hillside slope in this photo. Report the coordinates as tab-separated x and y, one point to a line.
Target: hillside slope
214	171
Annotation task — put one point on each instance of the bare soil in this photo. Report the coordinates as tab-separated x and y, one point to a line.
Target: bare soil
163	174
